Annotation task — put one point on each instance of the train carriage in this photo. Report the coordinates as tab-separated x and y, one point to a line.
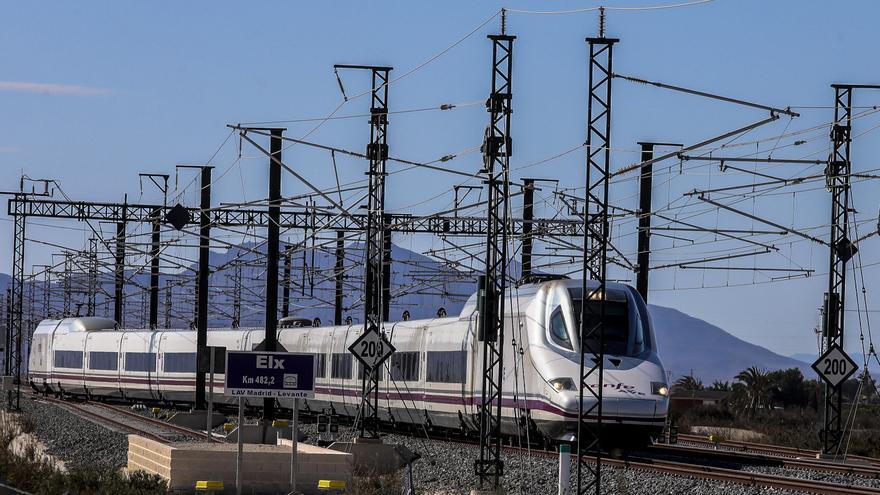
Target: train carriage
434	378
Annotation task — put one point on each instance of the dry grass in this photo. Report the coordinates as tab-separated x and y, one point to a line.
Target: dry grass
33	472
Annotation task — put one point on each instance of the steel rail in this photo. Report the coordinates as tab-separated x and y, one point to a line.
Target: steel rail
77	408
773	449
766	459
82	407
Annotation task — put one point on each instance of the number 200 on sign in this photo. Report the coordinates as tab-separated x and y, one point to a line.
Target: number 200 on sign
835	366
372	349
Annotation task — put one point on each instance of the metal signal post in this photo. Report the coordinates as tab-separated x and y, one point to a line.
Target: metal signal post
644	230
14	328
15	297
841	250
374	254
595	259
496	153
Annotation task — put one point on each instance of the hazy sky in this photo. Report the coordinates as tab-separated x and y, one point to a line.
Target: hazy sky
91	93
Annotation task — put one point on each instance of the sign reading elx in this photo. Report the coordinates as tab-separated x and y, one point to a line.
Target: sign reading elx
280	375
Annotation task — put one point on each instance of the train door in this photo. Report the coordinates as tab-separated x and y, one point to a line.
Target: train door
344	379
475	376
138	364
85	361
320	345
38	361
406	374
88	383
161	342
119	357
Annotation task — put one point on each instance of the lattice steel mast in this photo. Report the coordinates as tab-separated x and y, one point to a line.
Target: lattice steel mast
13	341
841	250
496	159
595	261
14	330
374	255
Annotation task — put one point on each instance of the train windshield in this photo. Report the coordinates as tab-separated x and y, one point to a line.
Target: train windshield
623	330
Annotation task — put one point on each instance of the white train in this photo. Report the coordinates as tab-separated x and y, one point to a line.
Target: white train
434	378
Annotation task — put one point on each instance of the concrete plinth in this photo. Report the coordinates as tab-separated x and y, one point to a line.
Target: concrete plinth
265	434
196	420
372	457
265	468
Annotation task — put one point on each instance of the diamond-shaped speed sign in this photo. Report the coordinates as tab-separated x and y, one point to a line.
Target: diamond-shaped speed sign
835	366
371	349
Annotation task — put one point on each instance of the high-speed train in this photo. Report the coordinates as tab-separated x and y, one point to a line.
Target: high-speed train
433	378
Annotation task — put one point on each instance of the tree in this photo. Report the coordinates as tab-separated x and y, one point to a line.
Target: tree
738	400
689	383
757	387
788	388
720	386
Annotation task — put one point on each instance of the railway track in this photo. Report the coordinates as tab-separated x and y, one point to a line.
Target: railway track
695	467
755	459
741	477
689	461
762	448
121	418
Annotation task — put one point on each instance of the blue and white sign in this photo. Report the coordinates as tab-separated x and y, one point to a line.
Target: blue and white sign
280	375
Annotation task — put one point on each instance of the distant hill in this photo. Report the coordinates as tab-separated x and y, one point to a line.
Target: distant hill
687	343
419	285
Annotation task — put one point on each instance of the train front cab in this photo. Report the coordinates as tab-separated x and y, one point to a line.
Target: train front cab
634	400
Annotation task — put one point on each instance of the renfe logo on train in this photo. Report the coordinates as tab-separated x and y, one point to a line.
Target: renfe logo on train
281	375
835	366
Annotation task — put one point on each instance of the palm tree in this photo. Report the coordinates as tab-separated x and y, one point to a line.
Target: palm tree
757	387
689	383
720	386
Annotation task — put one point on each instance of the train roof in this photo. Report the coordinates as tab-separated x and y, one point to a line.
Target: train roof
78	324
530	289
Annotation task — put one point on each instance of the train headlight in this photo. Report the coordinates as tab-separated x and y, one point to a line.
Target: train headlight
563	384
659	388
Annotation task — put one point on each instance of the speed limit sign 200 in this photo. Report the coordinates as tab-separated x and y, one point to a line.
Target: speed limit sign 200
371	349
835	366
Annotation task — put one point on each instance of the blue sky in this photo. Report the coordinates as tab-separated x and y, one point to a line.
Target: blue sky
91	93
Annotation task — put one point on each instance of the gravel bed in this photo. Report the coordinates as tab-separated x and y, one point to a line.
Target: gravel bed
804	474
75	440
807	474
447	468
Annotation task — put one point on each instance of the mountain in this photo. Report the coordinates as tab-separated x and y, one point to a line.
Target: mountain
419	284
691	345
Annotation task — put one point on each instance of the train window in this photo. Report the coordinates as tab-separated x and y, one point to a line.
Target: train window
363	371
638	335
644	326
140	361
321	361
340	366
616	330
181	362
558	330
405	366
69	359
446	366
102	360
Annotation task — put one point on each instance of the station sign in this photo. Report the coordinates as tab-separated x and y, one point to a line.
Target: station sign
371	349
835	366
279	375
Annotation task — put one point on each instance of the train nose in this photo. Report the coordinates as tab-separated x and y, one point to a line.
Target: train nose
570	404
614	407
